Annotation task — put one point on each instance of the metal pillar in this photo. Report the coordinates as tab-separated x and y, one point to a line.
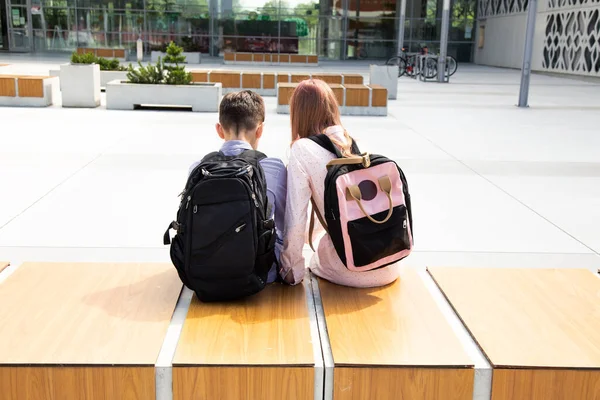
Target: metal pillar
526	70
444	42
401	26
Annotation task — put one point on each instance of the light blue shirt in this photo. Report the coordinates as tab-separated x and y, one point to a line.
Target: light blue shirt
276	177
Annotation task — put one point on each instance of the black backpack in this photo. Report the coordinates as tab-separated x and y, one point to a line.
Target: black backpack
225	241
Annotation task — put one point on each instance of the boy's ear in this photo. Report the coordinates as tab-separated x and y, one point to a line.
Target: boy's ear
219	129
259	130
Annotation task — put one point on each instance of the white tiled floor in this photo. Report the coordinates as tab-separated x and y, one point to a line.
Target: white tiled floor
492	185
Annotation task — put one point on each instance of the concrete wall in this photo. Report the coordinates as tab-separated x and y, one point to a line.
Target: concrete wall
504	41
566	36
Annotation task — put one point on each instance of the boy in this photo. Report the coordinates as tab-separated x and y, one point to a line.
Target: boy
241	118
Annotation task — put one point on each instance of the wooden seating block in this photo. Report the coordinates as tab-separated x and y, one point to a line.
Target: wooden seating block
3	265
357	95
8	86
297	58
119	53
200	76
538	327
284	92
229	56
338	91
245	57
329	78
251	80
284	58
355	79
268	80
393	342
312	59
283	77
379	96
76	331
267	57
228	79
4	65
297	78
31	86
106	53
258	57
256	348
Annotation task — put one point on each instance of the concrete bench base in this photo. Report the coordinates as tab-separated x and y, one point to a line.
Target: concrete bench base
202	97
28	91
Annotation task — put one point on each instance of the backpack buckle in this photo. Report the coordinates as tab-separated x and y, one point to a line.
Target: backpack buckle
366	160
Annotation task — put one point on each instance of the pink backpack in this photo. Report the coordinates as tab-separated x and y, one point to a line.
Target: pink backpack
367	209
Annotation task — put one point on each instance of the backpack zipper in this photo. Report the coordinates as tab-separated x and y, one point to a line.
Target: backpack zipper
254	198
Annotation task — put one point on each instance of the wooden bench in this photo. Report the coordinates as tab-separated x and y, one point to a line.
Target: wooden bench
84	331
264	83
262	347
353	99
104	52
28	91
392	342
269	59
540	328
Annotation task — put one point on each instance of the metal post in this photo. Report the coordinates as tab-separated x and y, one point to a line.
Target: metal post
526	70
401	26
444	42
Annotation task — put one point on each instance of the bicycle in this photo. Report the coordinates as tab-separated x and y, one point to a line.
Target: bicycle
406	63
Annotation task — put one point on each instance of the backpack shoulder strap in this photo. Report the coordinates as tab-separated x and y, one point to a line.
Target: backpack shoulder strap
252	155
326	143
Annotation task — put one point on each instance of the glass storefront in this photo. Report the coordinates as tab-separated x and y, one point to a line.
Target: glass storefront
333	29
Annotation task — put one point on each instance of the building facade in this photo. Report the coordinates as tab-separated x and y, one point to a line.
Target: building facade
333	29
567	35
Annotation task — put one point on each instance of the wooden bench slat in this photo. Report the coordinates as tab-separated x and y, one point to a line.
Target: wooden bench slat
328	77
8	86
379	98
357	95
395	325
270	328
268	80
228	79
256	348
538	327
200	76
3	265
528	317
31	87
251	80
86	313
393	342
356	79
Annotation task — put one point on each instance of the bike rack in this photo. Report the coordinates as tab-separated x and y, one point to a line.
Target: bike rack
427	71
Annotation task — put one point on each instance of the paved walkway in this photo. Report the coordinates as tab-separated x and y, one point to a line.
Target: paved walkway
492	185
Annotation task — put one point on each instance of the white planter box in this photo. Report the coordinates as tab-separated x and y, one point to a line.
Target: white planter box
105	76
386	76
202	97
109	76
80	84
191	58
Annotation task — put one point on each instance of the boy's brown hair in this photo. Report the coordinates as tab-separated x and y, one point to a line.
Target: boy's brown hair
241	111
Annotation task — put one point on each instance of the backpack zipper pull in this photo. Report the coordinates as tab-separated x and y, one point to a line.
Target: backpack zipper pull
255	201
188	202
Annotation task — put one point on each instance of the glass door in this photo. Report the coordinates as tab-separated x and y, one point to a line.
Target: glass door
19	25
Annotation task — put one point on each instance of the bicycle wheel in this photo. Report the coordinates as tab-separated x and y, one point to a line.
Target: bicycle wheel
400	62
451	65
410	66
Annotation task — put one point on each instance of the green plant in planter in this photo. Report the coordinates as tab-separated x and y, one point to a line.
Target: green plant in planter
86	58
110	65
177	74
150	75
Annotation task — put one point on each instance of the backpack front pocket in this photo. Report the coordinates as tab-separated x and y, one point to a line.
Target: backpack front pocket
371	242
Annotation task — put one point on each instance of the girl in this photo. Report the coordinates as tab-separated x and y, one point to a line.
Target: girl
313	110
